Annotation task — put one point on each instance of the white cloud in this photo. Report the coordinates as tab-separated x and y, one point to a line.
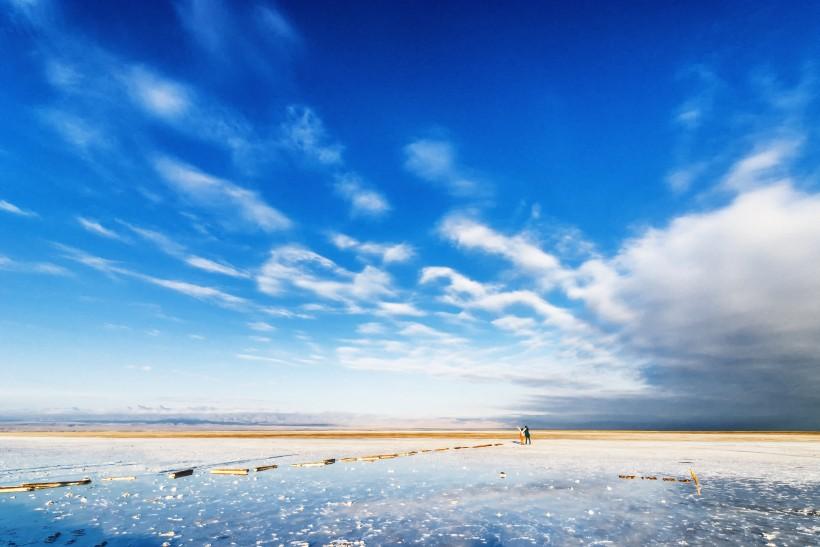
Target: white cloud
681	179
96	228
363	201
296	267
163	242
435	161
724	302
47	268
200	292
387	252
215	267
467	293
764	165
261	326
458	283
283	312
520	326
518	249
159	96
76	131
399	308
304	132
110	267
177	250
740	267
370	328
221	196
15	210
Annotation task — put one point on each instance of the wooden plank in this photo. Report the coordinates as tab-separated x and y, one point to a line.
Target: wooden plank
328	461
54	484
695	478
227	471
180	473
261	468
14	489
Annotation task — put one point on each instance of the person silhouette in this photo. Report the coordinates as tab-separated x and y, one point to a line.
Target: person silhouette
527	439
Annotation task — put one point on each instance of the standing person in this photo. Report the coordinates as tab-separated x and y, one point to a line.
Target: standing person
520	435
526	431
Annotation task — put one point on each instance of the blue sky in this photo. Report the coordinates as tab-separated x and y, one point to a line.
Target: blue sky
572	214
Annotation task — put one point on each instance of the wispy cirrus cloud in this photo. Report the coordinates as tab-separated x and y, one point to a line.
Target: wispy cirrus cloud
520	249
296	267
235	205
255	36
212	266
95	227
304	132
179	251
11	265
114	268
8	207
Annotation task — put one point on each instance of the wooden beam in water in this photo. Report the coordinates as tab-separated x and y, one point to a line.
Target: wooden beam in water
54	484
180	473
328	461
261	468
227	471
695	478
15	489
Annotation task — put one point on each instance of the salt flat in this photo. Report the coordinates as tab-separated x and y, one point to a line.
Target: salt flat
557	491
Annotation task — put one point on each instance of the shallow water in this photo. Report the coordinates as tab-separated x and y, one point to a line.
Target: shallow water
446	498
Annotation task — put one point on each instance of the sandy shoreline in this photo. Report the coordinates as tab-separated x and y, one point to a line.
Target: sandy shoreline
702	436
